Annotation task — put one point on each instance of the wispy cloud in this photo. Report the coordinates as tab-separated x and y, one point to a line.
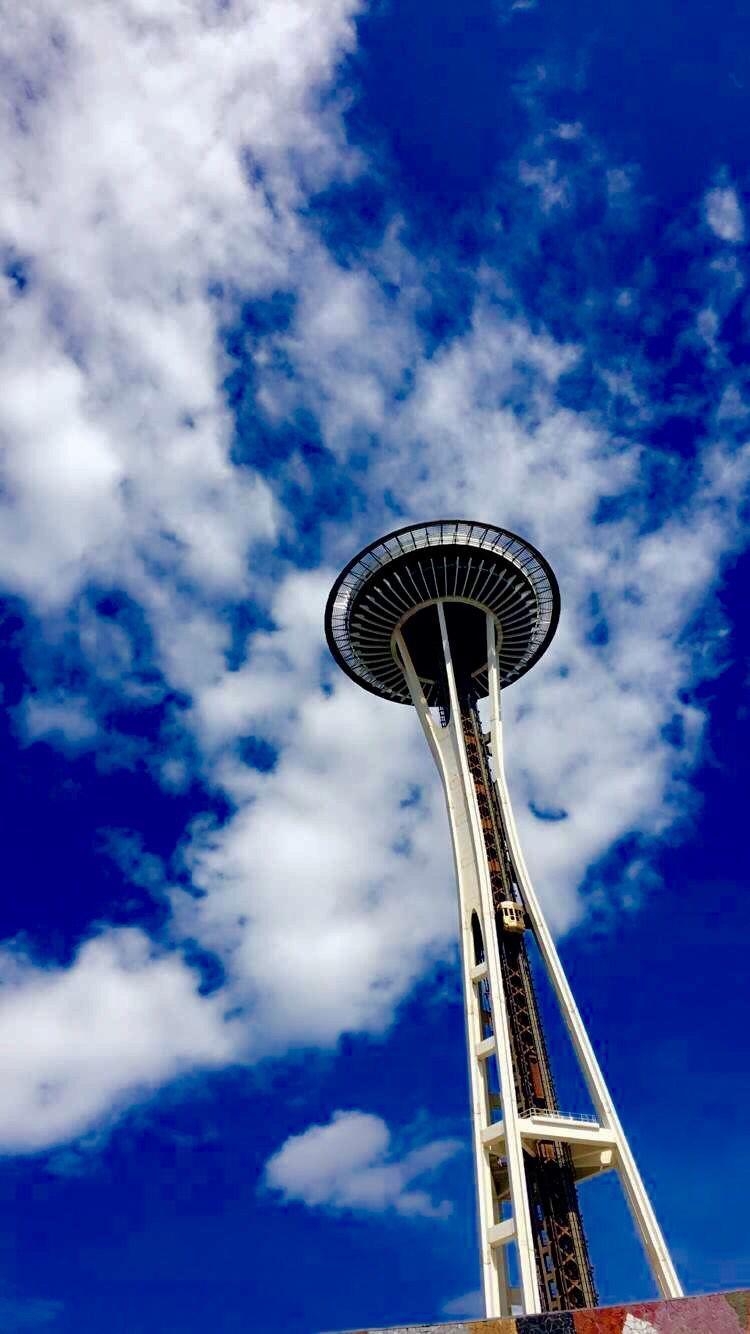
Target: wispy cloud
469	1306
80	1042
178	337
65	720
350	1164
724	213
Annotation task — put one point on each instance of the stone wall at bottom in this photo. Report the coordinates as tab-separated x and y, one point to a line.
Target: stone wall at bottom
719	1313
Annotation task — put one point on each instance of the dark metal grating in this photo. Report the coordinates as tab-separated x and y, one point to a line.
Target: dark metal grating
446	558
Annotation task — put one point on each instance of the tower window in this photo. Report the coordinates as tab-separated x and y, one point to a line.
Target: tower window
476	935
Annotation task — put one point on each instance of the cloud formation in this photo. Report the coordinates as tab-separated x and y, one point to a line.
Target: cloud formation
469	1305
168	287
349	1164
328	891
153	161
724	214
80	1042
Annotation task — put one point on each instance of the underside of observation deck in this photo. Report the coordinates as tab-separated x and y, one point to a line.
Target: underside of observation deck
472	568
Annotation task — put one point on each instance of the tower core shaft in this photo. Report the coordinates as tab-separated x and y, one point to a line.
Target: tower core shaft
563	1266
442	616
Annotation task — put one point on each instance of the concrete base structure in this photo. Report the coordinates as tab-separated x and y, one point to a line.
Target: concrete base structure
720	1313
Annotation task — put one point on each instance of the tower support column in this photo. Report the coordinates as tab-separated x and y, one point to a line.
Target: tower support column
475	898
639	1203
512	1140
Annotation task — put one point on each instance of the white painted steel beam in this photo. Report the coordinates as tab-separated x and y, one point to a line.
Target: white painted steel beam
596	1146
635	1192
514	1150
442	743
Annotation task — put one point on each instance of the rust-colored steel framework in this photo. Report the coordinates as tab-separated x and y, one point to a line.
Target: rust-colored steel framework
442	616
563	1266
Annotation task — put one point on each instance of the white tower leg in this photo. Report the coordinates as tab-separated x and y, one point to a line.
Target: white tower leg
603	1141
635	1192
475	896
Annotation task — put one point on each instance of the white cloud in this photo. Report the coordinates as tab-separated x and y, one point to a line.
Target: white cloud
79	1042
326	896
506	8
550	182
724	213
469	1306
569	130
151	155
65	720
281	667
164	154
349	1164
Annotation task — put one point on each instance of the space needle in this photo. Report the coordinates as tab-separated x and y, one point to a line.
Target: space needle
441	616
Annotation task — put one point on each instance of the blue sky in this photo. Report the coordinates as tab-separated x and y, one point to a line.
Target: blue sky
279	278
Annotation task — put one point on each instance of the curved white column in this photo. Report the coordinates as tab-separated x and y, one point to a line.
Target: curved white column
643	1214
605	1142
442	744
475	896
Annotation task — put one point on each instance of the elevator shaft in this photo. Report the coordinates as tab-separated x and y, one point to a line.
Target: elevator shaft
562	1260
